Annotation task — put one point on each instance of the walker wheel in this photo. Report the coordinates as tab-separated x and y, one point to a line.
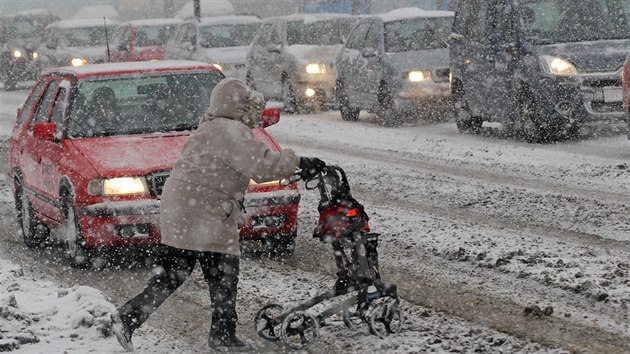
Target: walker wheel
385	318
299	330
264	322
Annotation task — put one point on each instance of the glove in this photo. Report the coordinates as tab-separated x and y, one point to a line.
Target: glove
310	167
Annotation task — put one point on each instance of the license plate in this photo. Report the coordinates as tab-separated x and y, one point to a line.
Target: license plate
613	94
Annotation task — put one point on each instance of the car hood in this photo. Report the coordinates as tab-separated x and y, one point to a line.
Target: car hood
305	54
596	56
227	55
430	59
131	155
94	53
136	155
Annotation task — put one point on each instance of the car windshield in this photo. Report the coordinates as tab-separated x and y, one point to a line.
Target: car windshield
558	21
226	35
330	32
140	104
83	36
417	34
22	28
154	35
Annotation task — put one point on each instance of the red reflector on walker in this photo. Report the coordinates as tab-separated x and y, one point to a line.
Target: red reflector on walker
351	213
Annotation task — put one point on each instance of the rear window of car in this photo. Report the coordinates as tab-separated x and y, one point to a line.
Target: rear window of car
331	32
417	34
140	104
219	36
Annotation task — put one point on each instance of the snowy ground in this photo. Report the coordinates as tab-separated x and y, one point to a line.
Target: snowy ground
476	230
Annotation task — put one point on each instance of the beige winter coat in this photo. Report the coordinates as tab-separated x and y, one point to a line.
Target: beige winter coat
201	199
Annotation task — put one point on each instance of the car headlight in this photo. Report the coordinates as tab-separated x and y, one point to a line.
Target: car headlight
315	68
254	183
78	61
35	55
118	186
218	66
557	66
16	53
418	75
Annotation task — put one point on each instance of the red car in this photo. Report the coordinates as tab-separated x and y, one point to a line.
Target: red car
143	39
93	145
625	78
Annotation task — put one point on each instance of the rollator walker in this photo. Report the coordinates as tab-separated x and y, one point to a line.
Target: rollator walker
343	223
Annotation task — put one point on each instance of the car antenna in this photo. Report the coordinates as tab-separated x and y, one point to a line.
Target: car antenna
106	39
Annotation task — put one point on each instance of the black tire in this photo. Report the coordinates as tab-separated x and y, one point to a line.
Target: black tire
78	255
530	128
465	121
34	233
348	113
289	97
390	117
283	246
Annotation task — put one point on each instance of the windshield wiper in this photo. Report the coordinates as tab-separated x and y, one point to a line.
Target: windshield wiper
179	127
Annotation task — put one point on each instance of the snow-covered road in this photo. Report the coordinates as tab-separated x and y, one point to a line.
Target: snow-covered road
475	229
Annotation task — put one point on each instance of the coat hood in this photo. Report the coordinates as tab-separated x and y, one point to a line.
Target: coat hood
232	99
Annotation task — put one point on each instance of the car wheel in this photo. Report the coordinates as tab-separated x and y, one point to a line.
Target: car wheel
289	98
76	251
33	232
530	127
348	113
465	121
390	117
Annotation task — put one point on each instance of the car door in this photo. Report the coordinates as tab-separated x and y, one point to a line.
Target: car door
33	171
349	71
53	153
256	56
19	135
371	64
487	54
273	61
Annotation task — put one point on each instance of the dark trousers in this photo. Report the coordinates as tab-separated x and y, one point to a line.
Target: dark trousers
173	266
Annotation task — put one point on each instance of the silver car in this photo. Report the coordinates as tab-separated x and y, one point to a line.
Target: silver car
396	65
76	42
219	40
291	58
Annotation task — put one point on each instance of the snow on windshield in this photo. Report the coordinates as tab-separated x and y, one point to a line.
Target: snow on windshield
228	35
417	34
330	32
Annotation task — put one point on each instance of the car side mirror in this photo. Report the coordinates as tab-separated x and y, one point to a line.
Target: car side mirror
45	131
52	45
189	46
19	111
269	116
123	47
369	52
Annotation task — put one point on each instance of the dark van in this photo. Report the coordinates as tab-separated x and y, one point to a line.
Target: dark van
542	68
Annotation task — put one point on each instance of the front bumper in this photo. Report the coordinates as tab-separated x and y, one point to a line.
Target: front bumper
429	95
138	222
317	90
586	98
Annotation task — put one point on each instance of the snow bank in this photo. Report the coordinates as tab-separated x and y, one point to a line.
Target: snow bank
37	316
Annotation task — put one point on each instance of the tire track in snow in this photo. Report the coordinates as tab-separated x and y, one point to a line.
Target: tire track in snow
471	172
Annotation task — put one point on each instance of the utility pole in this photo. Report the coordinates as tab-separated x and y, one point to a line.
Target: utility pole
197	10
356	4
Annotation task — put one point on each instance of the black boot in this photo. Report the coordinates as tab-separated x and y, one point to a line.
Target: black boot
233	344
344	281
122	332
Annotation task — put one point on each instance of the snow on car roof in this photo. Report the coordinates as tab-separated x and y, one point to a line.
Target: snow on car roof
312	17
235	19
412	12
153	22
136	66
86	22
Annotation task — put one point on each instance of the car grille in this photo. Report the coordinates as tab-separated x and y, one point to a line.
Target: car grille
156	182
593	92
442	75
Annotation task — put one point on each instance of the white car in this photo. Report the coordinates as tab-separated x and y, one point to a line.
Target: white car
219	40
76	42
291	58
